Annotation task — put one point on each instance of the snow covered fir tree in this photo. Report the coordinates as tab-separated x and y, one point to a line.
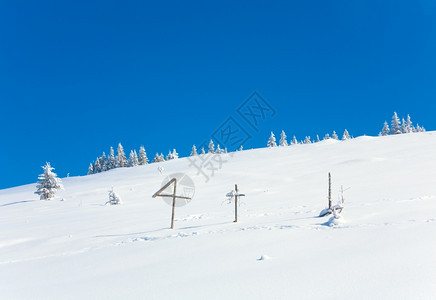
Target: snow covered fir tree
158	158
283	142
211	147
385	130
112	162
395	124
346	135
194	151
142	158
271	141
172	155
133	159
48	183
121	159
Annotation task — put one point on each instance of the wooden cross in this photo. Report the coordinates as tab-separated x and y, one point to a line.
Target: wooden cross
158	193
235	194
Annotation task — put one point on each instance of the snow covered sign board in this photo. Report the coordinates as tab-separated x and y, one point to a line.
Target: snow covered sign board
173	195
235	194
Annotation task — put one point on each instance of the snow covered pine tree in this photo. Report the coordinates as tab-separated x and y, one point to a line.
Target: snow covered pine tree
283	142
170	155
142	159
121	158
103	163
385	130
409	126
211	147
346	135
133	159
194	151
90	169
49	183
111	161
156	158
271	141
395	124
175	154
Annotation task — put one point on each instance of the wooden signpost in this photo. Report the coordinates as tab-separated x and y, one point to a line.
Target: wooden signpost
235	194
333	209
174	196
330	191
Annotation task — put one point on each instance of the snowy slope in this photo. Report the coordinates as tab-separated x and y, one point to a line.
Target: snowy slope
385	248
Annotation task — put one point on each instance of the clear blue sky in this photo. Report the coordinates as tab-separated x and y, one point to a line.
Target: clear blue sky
77	77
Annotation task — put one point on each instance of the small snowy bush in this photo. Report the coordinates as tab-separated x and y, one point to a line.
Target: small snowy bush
114	198
336	219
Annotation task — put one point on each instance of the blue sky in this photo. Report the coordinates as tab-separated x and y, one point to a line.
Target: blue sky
77	77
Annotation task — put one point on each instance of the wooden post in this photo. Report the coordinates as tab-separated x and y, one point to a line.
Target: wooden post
330	191
236	203
234	194
174	204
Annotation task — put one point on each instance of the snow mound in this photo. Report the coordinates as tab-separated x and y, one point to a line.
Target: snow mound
335	220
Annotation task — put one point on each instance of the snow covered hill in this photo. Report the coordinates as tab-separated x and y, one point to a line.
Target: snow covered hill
385	247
